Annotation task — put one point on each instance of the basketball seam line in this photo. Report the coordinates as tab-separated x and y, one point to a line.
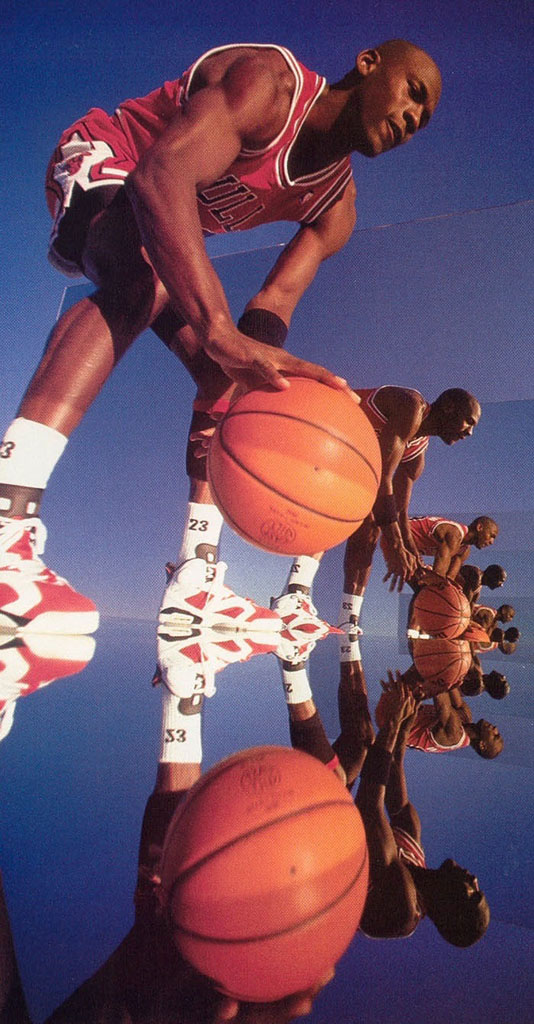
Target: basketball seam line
296	813
274	490
282	931
298	419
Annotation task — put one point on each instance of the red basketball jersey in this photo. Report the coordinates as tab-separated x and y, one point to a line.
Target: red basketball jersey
376	417
423	529
422	738
257	187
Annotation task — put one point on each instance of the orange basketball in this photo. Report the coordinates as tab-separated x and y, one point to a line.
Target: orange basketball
264	873
442	663
476	634
294	471
441	610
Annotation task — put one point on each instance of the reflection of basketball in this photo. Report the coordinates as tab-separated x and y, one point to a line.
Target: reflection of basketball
441	610
265	871
442	663
476	634
295	471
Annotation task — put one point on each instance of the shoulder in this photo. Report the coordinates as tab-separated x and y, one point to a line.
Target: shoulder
243	67
404	409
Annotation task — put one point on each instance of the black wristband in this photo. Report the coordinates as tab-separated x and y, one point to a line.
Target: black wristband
385	510
377	765
262	325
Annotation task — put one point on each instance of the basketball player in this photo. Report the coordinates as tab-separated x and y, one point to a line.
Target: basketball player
450	542
494	683
246	136
402	888
472	579
404	422
438	728
488	617
145	980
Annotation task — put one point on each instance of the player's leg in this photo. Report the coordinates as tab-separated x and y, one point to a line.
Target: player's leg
196	592
357	733
306	729
357	563
84	346
294	605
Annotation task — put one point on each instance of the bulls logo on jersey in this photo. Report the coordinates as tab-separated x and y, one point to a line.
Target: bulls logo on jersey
230	202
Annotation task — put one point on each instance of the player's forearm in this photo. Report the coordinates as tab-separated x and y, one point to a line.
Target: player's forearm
172	236
406	531
298	263
442	560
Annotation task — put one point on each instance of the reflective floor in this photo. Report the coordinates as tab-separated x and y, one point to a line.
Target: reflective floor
79	763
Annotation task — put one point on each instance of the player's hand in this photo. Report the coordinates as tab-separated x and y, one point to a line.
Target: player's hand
401	562
400	703
401	568
253	364
426	577
231	1011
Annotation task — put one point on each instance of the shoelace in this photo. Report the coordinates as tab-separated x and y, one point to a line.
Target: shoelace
11	530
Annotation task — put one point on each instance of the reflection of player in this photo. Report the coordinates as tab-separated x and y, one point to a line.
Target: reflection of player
493	683
404	422
489	617
403	889
145	980
472	579
438	728
450	542
246	136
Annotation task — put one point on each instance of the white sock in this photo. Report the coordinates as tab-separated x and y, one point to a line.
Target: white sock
296	685
350	608
203	525
302	572
29	453
349	649
181	735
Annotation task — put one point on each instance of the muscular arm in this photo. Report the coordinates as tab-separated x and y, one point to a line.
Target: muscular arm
403	410
446	559
299	262
403	481
391	903
448	729
197	147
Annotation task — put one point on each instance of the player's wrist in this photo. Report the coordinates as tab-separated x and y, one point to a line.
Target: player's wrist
385	512
263	325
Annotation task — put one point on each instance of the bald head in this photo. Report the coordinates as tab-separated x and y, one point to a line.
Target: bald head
456	413
409	55
395	89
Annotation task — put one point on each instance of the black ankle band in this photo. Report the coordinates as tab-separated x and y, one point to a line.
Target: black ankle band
19	502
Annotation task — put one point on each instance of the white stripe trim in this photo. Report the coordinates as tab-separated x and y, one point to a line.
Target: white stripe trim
290	61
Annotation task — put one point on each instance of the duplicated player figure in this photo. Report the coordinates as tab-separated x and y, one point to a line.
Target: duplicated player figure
404	422
247	135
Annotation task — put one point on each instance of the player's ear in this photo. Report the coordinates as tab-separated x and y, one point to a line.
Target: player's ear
367	61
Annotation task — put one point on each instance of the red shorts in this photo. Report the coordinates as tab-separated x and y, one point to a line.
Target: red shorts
92	155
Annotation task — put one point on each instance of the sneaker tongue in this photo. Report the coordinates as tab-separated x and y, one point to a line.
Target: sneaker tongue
21	541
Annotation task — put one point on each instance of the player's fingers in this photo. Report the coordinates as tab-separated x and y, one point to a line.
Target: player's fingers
227	1010
303	368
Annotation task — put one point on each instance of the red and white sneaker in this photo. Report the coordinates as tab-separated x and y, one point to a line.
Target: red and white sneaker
188	662
32	598
197	596
31	663
299	615
292	649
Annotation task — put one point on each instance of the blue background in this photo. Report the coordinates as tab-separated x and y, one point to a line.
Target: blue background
434	290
